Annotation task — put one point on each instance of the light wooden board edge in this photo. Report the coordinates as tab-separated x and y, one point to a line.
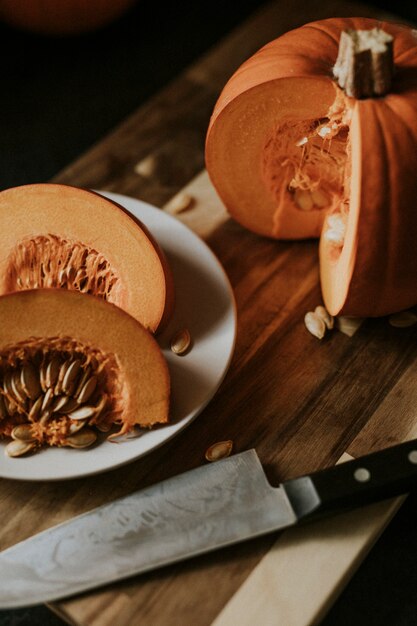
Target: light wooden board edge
301	576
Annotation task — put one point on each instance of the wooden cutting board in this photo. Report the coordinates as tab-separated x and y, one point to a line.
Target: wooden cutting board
302	403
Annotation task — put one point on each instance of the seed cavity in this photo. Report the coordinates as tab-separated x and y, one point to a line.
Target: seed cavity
52	390
308	160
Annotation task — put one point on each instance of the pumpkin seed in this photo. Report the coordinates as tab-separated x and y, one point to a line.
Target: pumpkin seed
146	167
319	198
47	399
30	381
103	427
323	314
87	390
18	448
348	325
63	404
181	341
315	325
404	319
7	385
75	427
16	386
45	415
36	409
180	203
336	231
81	439
23	432
52	371
42	375
101	406
70	376
303	199
61	375
82	413
83	379
219	450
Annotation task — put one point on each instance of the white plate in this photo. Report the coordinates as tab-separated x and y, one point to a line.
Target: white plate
205	305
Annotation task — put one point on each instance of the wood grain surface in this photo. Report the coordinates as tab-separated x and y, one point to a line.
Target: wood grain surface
301	402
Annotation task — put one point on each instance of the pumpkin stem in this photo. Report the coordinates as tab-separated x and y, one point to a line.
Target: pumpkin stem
364	65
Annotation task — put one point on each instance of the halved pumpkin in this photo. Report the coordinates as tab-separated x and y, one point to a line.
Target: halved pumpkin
71	363
292	156
61	236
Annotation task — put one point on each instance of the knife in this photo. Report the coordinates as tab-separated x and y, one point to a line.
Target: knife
201	510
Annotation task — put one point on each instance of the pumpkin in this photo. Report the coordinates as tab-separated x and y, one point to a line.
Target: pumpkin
71	363
62	236
61	17
294	153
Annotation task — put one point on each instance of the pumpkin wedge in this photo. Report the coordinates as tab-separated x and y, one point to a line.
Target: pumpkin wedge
297	151
72	364
61	236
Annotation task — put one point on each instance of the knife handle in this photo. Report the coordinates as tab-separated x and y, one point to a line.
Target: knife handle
377	476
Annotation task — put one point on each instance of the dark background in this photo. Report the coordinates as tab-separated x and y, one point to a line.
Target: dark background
58	96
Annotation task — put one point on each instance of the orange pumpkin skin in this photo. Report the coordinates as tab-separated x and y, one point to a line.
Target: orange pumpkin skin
289	81
61	17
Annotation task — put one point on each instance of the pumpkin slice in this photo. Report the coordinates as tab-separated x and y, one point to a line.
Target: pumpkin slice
71	365
293	155
62	236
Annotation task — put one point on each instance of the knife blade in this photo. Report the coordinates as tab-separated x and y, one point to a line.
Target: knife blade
201	510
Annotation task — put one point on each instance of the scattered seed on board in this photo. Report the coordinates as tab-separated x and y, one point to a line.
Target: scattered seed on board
328	319
181	341
146	167
180	203
349	325
315	325
403	319
219	450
